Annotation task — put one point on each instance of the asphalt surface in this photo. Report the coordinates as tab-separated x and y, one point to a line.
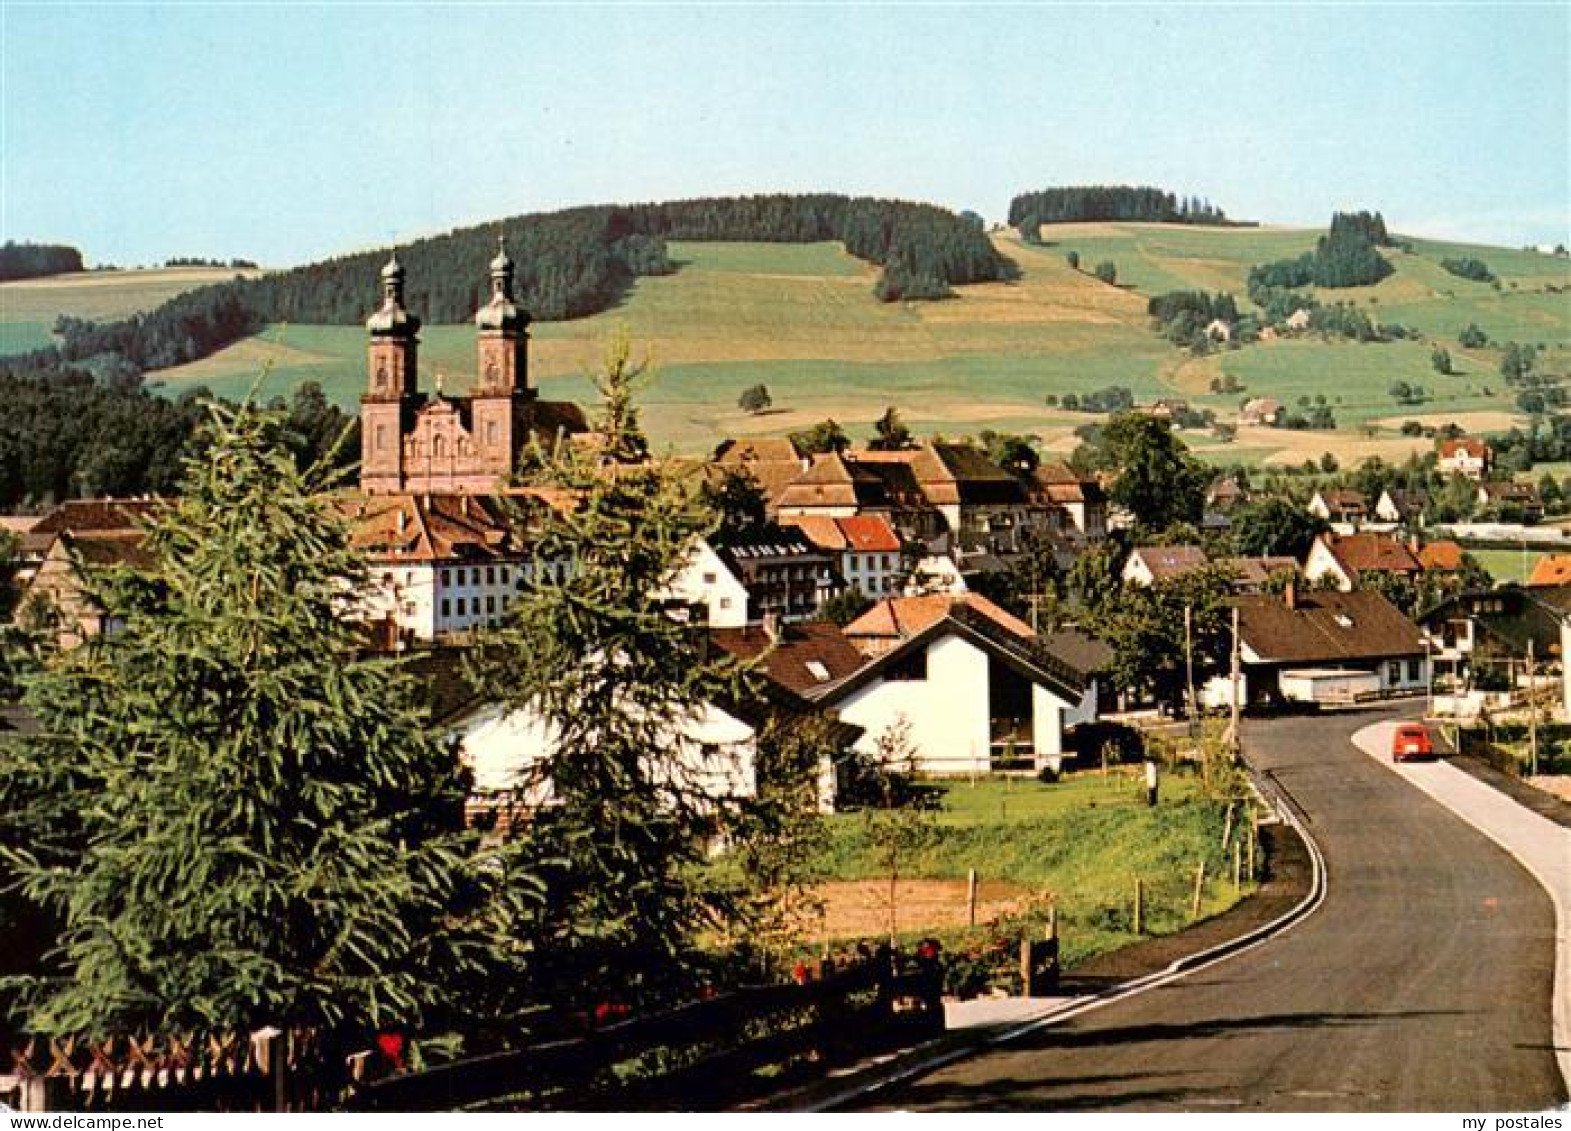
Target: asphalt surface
1422	983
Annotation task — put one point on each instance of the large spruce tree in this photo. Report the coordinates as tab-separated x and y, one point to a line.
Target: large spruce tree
235	816
593	653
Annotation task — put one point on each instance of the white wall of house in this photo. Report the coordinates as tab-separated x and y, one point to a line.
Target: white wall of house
1320	562
1136	572
875	574
949	711
707	581
504	749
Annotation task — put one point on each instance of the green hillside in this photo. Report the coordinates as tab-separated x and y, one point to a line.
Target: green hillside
802	320
29	307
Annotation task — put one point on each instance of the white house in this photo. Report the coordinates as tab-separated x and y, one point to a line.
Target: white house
866	549
707	582
439	566
974	685
1465	456
1146	565
713	753
1219	331
1343	557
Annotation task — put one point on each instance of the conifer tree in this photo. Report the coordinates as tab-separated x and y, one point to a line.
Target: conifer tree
619	687
235	816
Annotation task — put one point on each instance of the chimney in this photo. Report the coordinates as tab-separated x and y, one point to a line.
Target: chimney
1290	593
771	625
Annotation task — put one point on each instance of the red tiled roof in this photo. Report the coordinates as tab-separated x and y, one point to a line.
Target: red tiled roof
1551	569
1443	557
1359	552
900	617
869	534
1473	447
820	530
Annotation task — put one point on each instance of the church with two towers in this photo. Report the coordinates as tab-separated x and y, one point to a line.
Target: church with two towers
441	445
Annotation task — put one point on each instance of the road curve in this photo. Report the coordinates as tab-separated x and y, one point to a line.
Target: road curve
1421	984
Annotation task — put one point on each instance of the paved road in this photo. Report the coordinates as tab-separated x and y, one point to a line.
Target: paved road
1421	984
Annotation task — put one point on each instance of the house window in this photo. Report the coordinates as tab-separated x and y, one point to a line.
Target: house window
490	575
506	575
1394	672
709	579
463	606
1414	671
490	604
908	669
447	577
447	608
725	602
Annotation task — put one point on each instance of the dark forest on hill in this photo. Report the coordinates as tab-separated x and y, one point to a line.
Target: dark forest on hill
1104	203
35	260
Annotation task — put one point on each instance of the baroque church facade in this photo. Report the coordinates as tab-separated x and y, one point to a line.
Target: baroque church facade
440	445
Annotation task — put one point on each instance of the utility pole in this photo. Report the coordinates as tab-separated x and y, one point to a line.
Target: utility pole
1532	714
1237	675
1189	665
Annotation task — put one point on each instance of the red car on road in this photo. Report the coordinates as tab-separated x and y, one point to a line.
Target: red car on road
1411	744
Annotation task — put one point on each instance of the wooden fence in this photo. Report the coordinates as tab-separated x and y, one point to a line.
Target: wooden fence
700	1055
265	1071
697	1054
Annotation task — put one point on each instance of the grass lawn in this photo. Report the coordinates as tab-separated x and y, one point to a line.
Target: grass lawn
1081	841
1508	565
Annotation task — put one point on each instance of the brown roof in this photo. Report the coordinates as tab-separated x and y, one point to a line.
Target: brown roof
1257	571
1359	552
1508	492
1170	561
758	449
798	656
429	528
952	473
1551	569
901	617
1443	557
1473	447
1059	483
80	515
821	530
833	482
1342	499
1326	628
104	548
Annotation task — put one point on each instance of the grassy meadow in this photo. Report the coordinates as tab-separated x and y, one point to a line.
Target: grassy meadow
802	320
1081	841
29	307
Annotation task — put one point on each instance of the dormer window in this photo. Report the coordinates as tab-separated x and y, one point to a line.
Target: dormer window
1344	620
817	670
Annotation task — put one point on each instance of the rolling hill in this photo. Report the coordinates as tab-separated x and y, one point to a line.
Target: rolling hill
802	319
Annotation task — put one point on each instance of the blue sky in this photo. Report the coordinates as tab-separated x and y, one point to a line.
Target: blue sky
287	132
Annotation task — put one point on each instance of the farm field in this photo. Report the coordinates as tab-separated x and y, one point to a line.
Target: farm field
97	295
802	320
